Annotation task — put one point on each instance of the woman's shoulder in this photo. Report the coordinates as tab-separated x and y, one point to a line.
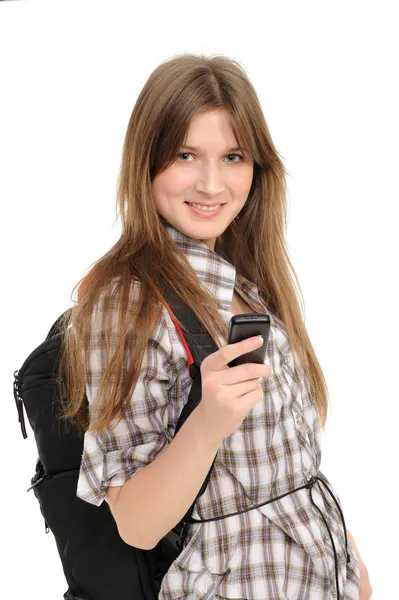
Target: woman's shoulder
165	344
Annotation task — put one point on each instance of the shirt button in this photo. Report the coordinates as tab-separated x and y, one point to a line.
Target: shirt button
297	417
286	359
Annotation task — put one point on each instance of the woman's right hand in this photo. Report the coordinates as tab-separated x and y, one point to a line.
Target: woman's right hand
229	393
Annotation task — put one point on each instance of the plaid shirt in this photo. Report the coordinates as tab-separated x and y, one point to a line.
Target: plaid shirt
280	551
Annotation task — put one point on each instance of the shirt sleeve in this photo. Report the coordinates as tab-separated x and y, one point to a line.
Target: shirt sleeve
121	450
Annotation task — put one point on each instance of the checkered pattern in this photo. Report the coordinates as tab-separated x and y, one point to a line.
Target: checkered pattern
280	551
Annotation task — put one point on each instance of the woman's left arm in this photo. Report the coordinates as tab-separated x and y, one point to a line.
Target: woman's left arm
365	587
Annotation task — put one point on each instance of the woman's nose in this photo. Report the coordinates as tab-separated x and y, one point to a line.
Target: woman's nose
210	181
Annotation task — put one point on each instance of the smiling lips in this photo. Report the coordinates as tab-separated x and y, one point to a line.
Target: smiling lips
205	206
205	209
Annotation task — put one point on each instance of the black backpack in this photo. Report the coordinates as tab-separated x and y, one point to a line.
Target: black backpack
97	563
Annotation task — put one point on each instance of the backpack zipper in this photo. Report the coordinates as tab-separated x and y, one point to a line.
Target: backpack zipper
68	473
19	405
45	476
35	483
71	473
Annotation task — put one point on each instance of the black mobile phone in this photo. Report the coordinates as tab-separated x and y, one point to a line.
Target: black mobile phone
245	326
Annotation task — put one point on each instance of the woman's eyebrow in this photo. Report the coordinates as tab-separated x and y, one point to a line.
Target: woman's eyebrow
198	149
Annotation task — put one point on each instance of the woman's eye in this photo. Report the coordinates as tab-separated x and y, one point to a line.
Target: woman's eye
188	154
239	155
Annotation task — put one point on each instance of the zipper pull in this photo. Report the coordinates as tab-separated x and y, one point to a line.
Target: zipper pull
19	405
46	527
45	476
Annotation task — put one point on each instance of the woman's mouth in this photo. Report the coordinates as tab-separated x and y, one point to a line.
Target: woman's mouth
205	211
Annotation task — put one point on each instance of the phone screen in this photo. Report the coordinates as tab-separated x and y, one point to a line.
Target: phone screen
244	326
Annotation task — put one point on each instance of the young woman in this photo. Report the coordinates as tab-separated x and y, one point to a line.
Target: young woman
202	199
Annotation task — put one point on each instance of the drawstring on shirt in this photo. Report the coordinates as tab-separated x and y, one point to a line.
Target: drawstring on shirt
307	485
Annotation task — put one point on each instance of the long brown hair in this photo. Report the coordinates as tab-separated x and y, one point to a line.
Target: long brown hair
255	244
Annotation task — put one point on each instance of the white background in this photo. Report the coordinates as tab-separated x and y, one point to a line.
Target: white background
326	76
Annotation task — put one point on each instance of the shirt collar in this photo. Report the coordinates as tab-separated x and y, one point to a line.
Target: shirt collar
215	273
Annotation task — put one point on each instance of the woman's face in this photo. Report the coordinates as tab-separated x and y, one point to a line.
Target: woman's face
212	174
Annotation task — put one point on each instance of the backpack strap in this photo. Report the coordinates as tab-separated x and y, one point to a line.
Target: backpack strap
198	344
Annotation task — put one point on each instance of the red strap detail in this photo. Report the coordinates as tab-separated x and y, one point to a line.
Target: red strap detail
190	359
